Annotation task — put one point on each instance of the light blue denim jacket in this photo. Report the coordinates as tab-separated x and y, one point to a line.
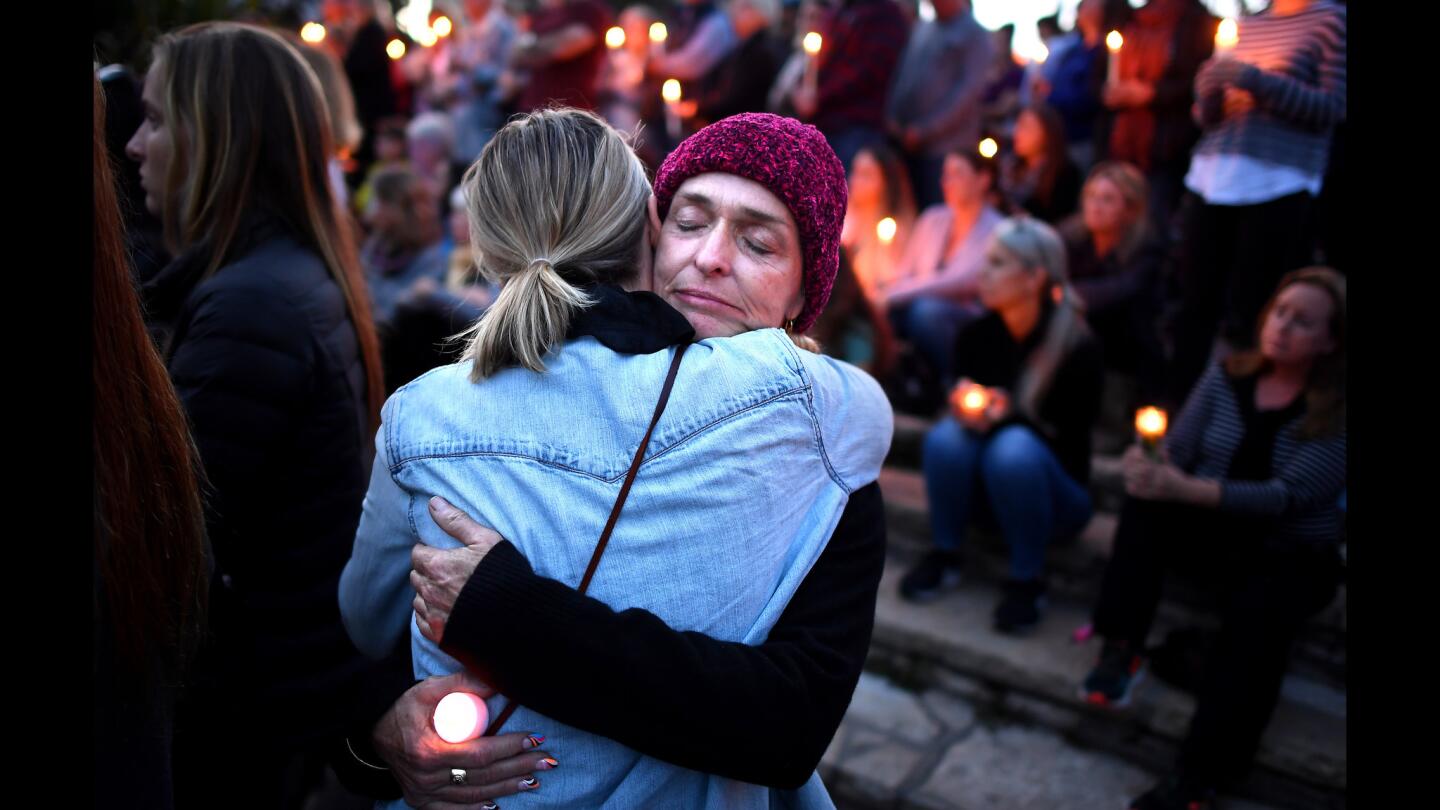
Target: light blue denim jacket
743	482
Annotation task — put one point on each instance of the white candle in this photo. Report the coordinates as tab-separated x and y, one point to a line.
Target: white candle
1227	36
658	33
812	44
670	92
460	716
1113	41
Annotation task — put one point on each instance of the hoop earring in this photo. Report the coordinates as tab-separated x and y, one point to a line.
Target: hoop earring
790	325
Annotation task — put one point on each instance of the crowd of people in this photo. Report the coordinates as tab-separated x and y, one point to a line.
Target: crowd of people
458	223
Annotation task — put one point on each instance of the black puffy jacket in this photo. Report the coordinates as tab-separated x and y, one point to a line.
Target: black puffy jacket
267	364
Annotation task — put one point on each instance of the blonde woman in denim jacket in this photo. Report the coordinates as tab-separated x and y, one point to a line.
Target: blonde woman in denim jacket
749	469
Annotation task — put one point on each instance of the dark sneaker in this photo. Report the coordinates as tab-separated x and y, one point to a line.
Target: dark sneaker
1113	679
938	571
1175	794
1020	608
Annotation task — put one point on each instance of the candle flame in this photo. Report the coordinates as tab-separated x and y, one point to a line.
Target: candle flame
813	41
988	148
670	91
658	32
1228	34
974	399
1150	422
313	33
615	38
443	26
1113	40
396	49
460	716
426	38
885	229
1041	54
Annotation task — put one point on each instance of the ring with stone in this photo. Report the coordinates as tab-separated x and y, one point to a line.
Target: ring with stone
457	776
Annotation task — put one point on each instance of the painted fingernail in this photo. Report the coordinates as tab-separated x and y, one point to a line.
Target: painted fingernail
535	741
548	764
529	783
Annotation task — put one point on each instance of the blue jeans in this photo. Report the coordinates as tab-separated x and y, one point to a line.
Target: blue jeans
931	325
1010	476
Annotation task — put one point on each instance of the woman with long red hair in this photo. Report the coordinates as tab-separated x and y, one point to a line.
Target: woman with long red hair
149	542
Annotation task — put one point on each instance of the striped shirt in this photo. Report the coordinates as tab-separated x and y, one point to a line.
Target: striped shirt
1307	475
1294	66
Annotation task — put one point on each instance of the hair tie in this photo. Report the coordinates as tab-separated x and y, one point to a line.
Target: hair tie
540	260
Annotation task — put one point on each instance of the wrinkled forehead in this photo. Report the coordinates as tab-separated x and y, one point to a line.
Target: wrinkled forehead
737	197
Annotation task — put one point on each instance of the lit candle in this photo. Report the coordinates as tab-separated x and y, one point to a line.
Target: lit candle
1150	423
989	148
1227	36
1113	41
658	33
615	38
670	92
426	37
1041	54
812	44
460	716
885	229
313	33
443	26
396	49
974	399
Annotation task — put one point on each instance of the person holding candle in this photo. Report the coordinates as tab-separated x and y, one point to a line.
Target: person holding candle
1015	453
934	105
1269	107
879	189
861	45
1038	175
749	212
693	57
267	335
740	82
934	289
1116	264
1245	497
1074	78
1149	101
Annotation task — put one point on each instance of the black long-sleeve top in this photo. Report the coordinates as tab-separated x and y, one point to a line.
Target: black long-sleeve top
987	353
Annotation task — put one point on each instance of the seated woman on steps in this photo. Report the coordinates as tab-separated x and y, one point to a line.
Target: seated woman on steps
1245	492
1022	461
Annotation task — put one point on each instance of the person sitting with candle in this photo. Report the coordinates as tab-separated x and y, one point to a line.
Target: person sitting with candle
1244	494
534	431
1116	261
1269	106
1039	177
1016	454
879	189
934	288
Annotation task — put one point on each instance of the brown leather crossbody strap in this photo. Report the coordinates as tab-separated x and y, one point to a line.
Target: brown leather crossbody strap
510	707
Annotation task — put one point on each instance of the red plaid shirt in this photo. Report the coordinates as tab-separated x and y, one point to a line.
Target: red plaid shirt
863	42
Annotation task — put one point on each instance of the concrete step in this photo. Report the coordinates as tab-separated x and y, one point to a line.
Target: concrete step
934	750
948	646
1075	569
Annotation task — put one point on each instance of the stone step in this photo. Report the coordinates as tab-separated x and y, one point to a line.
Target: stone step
948	646
934	750
1075	569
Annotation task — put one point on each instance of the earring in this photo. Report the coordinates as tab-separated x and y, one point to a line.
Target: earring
790	325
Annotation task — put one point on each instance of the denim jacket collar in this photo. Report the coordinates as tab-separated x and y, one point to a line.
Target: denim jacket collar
630	322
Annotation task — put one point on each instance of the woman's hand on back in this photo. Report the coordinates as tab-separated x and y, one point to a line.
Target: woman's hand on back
438	575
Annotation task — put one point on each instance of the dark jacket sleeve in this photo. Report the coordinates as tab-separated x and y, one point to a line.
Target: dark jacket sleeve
1137	276
761	714
383	683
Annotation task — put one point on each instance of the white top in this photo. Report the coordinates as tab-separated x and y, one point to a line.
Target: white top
1234	179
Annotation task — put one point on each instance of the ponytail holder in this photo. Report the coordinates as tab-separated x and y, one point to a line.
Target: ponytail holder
540	260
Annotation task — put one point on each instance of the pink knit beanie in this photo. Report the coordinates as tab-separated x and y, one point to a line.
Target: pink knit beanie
796	164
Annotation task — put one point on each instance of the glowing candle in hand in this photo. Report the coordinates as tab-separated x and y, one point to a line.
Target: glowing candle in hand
974	401
313	33
670	92
812	44
1113	41
885	229
1227	36
989	149
1150	423
615	38
396	49
658	33
443	26
460	716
